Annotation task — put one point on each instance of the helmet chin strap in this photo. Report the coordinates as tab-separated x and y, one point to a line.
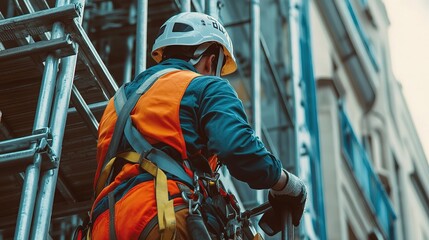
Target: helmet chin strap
219	62
198	54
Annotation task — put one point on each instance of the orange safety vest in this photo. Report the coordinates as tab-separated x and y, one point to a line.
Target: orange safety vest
156	117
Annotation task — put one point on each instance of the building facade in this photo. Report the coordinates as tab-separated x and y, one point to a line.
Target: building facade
370	152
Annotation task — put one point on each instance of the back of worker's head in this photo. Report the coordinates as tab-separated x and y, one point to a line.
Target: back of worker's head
190	36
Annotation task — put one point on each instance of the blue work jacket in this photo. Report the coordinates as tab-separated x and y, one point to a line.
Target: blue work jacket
213	121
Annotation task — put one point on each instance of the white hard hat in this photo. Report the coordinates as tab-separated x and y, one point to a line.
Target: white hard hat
193	29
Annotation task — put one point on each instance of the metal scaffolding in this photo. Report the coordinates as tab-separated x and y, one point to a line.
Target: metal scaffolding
54	37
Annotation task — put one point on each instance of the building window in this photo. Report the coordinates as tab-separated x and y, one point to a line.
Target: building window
419	187
365	176
363	36
368	145
399	193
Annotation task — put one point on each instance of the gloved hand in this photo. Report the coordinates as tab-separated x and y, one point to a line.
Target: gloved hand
291	197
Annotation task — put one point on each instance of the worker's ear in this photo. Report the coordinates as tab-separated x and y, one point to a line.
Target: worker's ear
210	64
205	65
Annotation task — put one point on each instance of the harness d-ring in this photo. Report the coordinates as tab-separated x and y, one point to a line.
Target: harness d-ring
193	205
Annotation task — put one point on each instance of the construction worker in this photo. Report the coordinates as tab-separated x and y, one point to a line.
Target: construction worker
188	121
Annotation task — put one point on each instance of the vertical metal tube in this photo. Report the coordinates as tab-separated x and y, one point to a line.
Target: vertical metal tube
255	28
211	8
199	5
58	121
287	227
43	110
45	198
185	5
296	75
141	36
128	66
32	172
28	196
256	65
10	9
47	93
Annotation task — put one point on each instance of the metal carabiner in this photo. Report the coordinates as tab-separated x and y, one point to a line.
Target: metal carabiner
193	205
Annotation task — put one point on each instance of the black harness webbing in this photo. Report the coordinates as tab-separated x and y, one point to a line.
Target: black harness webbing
112	231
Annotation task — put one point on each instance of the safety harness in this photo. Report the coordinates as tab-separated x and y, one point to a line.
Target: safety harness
150	159
135	139
207	200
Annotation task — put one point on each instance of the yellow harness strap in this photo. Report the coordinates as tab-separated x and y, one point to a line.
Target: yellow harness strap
165	207
131	157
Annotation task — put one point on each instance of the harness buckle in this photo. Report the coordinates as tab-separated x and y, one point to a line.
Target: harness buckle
146	153
143	156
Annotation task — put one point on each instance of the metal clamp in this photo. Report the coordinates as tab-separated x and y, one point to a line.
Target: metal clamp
44	145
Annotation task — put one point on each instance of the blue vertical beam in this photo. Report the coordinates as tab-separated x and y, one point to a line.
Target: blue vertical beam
305	117
312	121
368	181
300	133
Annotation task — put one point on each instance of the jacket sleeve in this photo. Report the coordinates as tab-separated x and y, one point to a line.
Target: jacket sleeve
224	122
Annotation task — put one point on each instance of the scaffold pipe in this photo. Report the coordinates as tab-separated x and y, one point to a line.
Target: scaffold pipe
43	111
256	65
141	36
255	35
211	8
45	197
185	5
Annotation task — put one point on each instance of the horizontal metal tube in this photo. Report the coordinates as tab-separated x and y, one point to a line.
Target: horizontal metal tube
237	23
16	143
99	106
61	47
9	157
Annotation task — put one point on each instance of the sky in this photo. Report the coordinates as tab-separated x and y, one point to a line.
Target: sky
409	46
